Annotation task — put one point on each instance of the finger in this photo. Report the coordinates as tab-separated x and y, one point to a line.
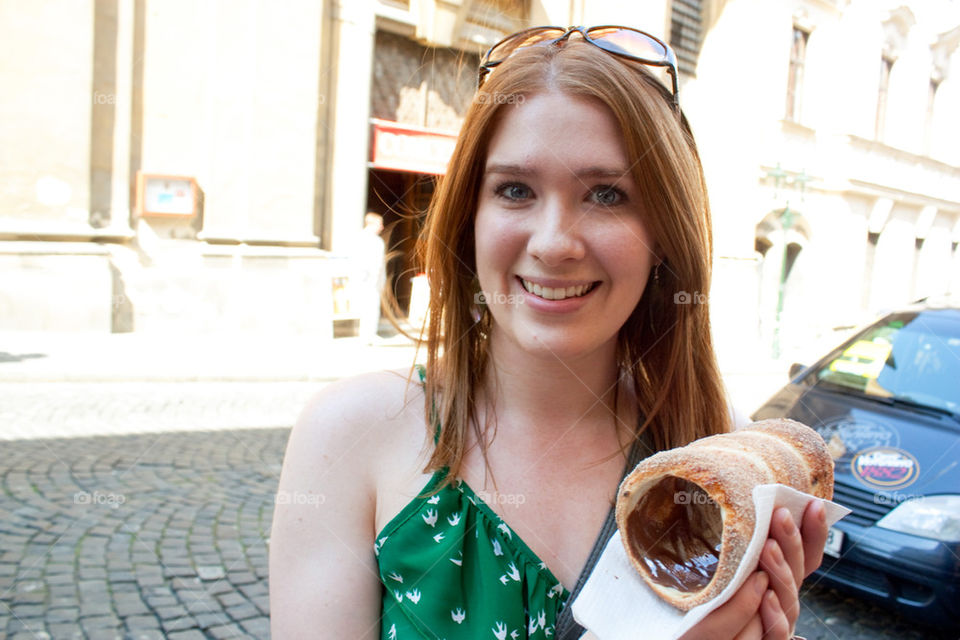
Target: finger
775	623
730	618
785	532
814	533
782	581
753	630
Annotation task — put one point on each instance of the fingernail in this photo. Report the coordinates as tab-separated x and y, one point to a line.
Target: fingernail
788	525
776	553
822	511
760	583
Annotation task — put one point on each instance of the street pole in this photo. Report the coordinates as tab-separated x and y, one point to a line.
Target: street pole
786	220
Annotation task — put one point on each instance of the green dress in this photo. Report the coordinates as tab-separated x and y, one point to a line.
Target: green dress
451	568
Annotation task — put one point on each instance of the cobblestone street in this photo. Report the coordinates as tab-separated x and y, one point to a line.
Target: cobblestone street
150	534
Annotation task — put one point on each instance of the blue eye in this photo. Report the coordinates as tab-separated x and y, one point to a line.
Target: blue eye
513	191
608	196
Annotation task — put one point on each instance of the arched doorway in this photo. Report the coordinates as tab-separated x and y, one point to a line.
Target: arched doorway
781	238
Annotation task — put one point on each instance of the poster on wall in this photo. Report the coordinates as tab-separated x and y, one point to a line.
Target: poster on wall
166	195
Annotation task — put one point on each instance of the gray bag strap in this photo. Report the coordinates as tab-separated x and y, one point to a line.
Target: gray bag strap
566	627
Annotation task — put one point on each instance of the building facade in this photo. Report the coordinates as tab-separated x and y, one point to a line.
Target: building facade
825	127
833	161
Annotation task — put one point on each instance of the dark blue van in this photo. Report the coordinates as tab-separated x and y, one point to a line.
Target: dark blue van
887	403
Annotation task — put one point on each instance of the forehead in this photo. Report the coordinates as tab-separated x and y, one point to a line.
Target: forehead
557	132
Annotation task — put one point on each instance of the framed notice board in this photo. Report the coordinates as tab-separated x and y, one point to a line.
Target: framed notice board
166	195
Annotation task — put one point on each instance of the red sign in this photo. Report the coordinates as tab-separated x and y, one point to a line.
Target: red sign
403	147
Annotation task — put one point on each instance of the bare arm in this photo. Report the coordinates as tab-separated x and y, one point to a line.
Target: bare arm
323	572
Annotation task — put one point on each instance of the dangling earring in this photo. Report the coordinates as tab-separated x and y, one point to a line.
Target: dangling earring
656	283
479	307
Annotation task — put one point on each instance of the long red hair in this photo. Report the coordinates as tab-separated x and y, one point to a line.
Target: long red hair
665	346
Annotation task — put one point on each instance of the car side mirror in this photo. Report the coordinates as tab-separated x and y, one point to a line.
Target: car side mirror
795	369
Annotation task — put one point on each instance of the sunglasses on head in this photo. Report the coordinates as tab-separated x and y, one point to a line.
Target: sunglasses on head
625	42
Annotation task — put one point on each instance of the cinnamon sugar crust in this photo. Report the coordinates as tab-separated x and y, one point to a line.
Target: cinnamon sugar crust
686	515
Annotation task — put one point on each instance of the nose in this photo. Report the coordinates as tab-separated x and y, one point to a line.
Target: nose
555	236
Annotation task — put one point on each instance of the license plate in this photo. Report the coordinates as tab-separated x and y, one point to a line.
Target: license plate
834	542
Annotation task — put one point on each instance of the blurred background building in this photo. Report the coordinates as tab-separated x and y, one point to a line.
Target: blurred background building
172	165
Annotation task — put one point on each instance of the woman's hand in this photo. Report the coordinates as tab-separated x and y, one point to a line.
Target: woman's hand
767	605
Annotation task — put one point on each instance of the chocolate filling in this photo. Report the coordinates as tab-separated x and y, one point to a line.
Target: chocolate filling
677	528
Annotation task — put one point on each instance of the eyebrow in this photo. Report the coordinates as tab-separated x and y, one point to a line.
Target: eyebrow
586	172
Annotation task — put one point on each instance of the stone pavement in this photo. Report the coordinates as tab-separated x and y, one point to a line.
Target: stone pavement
138	483
138	536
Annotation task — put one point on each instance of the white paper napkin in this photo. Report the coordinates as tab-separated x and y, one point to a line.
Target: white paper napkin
615	603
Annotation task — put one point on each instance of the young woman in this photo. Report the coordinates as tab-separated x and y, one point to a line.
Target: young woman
473	504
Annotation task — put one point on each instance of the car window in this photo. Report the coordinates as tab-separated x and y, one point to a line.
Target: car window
913	357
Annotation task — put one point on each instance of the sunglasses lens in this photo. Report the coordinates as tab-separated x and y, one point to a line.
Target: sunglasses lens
629	42
503	50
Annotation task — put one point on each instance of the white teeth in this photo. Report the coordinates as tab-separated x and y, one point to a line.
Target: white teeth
550	293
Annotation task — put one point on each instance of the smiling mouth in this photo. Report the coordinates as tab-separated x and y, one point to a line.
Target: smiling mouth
557	293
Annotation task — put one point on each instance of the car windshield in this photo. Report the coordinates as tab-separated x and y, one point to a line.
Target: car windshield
912	358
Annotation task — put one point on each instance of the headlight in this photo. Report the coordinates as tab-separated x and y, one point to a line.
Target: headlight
936	517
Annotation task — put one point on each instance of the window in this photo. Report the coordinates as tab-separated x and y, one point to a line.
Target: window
886	66
798	55
686	32
910	359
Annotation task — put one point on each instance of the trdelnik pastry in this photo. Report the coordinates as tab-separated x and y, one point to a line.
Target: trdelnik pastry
686	515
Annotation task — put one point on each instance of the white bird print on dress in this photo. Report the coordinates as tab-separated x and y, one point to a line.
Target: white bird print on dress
378	544
503	527
396	576
454	520
497	550
458	561
500	631
513	572
438	537
398	595
548	632
392	634
543	566
555	590
434	500
504	579
531	626
542	619
515	634
413	596
458	615
430	517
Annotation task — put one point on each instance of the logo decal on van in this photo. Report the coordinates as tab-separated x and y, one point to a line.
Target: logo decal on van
885	468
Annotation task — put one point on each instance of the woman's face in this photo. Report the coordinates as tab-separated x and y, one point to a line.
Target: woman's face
562	251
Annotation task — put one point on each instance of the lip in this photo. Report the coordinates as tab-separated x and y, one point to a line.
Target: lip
567	305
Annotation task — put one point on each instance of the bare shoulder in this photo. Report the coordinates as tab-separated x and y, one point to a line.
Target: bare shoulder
363	417
321	551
